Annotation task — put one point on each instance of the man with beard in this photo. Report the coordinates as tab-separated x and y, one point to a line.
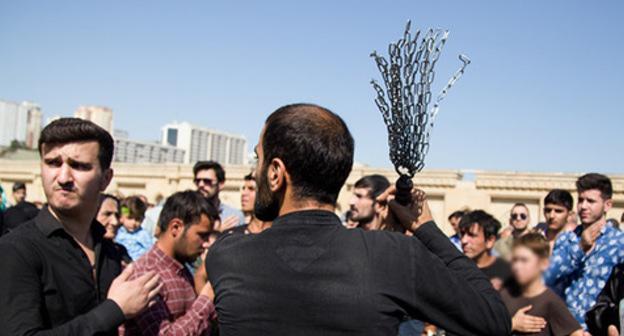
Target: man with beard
209	178
363	205
309	275
582	260
58	274
185	225
519	220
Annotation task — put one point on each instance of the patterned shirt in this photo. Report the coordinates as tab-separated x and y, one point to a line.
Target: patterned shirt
178	310
580	277
137	242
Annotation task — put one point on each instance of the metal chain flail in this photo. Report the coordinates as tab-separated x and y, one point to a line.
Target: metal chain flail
405	98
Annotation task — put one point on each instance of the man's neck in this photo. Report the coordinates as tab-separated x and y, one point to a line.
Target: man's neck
257	226
370	224
484	260
79	228
551	234
303	205
517	233
166	247
533	288
602	222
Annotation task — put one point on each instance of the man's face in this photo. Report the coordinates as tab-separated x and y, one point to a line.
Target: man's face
108	216
267	205
72	177
591	206
454	221
362	205
248	196
519	218
526	266
207	183
474	243
19	195
556	216
192	243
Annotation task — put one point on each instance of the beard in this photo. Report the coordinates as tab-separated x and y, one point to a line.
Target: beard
267	205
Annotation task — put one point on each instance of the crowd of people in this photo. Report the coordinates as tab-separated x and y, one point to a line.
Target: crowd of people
91	263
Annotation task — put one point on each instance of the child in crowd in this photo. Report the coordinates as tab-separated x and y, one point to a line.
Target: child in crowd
536	309
136	240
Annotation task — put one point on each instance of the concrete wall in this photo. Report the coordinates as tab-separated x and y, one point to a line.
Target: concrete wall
448	190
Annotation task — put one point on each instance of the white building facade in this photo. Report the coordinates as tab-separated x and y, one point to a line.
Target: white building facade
20	122
131	151
100	115
201	144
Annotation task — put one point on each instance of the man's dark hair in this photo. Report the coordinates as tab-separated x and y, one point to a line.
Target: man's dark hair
520	204
188	206
487	222
316	147
214	165
457	214
376	183
249	177
595	181
67	130
19	186
559	197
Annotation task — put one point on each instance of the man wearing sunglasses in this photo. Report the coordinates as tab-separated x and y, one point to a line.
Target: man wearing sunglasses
209	178
519	220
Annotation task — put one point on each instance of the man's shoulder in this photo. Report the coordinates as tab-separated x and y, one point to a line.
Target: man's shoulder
26	232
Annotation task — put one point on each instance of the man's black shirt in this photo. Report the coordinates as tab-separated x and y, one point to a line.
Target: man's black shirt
47	284
308	275
18	214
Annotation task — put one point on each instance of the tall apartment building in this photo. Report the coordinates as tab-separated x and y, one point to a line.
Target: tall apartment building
100	115
21	122
132	151
201	143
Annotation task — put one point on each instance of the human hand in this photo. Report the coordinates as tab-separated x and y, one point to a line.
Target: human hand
132	296
201	276
409	217
226	224
208	291
589	236
525	323
613	331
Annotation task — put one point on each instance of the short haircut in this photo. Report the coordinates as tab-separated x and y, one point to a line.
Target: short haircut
457	214
249	177
596	181
316	147
487	222
376	183
135	207
559	197
187	206
19	186
520	204
206	165
68	130
535	242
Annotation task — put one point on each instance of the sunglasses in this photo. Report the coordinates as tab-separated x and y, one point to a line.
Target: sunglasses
208	182
518	216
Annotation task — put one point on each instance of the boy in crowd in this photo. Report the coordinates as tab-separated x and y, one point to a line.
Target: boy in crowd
248	201
557	209
582	260
454	220
479	231
535	308
131	235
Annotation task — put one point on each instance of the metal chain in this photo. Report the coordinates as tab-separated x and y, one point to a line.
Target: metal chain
406	95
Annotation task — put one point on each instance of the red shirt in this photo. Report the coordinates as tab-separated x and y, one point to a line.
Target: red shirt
178	310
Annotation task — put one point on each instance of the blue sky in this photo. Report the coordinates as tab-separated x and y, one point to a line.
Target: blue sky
543	93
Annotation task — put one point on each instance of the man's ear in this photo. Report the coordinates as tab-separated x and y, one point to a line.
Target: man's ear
608	205
490	242
175	227
107	177
277	175
221	185
544	263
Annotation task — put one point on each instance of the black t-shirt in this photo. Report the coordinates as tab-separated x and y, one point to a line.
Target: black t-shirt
499	272
548	305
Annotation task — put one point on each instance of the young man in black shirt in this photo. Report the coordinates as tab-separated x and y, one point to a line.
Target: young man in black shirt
58	274
479	231
309	275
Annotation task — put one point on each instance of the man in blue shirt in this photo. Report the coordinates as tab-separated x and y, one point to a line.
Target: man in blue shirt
209	177
582	260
